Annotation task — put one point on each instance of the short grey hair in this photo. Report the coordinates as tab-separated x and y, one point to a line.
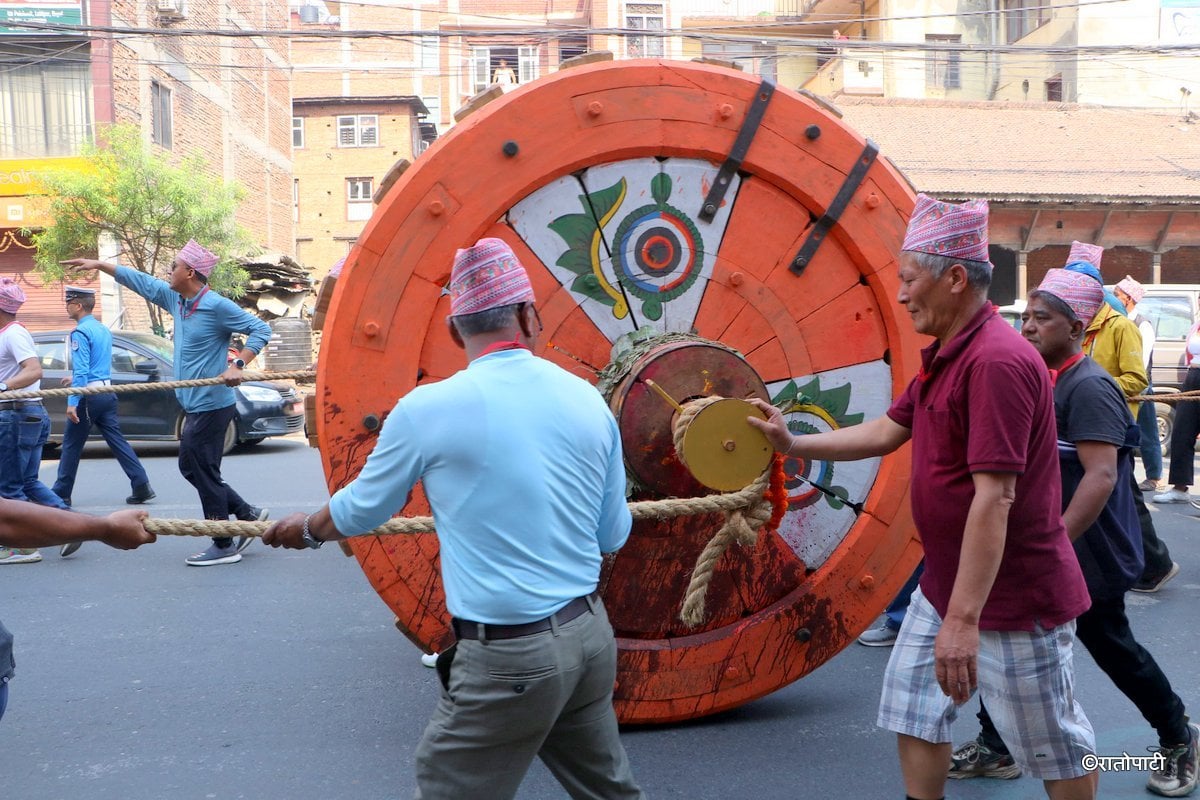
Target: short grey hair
979	273
486	321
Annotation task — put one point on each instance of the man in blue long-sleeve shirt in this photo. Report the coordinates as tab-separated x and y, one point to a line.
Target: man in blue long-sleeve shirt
204	322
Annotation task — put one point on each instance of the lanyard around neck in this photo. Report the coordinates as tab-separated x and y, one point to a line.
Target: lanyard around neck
195	303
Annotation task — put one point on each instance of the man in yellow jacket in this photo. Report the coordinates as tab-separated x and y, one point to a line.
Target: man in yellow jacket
1115	343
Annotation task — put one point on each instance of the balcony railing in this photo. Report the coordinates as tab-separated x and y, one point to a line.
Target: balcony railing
794	9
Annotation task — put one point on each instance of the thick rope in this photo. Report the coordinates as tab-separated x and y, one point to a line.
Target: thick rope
151	386
741	524
1166	397
644	509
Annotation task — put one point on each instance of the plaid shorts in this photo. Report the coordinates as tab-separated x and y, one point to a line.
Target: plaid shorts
1026	679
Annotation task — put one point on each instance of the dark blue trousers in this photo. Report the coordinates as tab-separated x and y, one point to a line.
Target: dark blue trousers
200	463
99	410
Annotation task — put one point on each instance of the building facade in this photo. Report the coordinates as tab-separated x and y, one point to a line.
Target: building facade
51	99
226	98
342	149
360	105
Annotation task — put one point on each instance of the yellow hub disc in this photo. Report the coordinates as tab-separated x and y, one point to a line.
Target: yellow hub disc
722	450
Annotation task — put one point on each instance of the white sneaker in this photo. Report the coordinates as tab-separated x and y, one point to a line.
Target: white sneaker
1171	495
12	555
429	659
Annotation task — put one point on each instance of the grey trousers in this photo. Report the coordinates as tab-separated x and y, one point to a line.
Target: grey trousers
506	701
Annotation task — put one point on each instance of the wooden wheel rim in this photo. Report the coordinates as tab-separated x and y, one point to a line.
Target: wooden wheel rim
828	344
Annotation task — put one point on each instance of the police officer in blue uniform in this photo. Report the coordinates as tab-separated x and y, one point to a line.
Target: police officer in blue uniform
91	365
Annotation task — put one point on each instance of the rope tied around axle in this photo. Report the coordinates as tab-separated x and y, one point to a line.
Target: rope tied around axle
151	386
741	524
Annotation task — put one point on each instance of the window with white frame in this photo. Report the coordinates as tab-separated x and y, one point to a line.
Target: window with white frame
644	17
942	66
361	130
527	64
160	115
506	66
428	46
358	198
45	100
297	132
434	103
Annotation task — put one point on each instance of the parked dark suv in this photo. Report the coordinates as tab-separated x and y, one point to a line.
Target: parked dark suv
263	409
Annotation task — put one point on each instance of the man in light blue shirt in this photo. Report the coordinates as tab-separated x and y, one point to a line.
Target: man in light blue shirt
91	365
204	323
521	462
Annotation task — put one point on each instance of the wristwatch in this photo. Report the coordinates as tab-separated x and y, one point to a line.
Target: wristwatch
313	542
3	386
237	362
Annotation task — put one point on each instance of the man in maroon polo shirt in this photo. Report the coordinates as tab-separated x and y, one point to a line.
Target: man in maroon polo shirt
1002	587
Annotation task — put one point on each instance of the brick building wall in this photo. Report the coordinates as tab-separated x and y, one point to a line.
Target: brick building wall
335	67
230	100
1181	265
354	76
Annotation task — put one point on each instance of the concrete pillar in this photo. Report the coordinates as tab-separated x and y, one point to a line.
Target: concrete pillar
1156	267
112	306
1022	275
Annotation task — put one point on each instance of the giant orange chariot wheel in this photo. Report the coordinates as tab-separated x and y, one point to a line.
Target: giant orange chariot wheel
685	226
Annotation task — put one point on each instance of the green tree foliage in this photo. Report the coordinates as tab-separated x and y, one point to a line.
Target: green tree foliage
148	206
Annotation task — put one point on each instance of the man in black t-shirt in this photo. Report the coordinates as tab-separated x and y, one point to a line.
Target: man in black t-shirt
1096	438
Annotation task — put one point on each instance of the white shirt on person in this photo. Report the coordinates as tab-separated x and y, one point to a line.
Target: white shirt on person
16	345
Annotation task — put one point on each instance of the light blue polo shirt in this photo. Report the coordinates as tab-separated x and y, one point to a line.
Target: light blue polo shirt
522	465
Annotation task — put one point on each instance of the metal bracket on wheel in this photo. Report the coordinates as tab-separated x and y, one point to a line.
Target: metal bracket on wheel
841	201
741	144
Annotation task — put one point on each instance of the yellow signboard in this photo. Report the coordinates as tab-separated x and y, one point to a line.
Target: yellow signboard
24	212
19	176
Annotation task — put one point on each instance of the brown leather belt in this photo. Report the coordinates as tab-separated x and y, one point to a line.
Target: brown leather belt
466	629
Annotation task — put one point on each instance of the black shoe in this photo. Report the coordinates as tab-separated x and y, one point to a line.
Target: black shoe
1149	585
140	495
69	548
